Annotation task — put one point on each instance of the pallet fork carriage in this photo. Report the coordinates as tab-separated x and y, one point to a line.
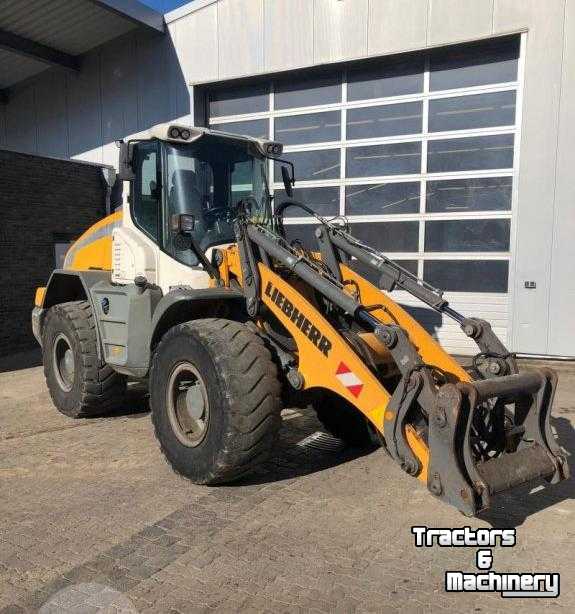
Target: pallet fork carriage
293	326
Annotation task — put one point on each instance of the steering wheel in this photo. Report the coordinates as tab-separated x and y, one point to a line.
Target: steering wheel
214	210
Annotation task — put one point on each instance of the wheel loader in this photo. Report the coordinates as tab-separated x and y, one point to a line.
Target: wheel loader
194	286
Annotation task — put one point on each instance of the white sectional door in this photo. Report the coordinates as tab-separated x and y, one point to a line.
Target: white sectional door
418	152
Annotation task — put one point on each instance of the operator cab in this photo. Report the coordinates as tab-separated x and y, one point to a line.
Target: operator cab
187	183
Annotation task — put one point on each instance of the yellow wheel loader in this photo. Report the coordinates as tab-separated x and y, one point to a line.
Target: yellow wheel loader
194	286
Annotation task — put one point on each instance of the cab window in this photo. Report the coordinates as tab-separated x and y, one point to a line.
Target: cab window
147	189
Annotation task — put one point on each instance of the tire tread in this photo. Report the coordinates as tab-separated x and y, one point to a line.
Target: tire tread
101	388
248	375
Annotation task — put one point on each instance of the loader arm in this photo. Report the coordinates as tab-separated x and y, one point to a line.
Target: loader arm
451	428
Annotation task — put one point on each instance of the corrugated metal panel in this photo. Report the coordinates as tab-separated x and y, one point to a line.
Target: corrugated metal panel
459	20
288	37
51	118
242	23
396	25
14	68
21	127
340	29
196	36
85	111
72	27
541	99
561	321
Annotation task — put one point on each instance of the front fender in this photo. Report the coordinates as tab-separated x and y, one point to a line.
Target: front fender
183	304
62	287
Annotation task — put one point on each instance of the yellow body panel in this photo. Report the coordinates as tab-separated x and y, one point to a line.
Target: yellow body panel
392	313
93	250
317	367
39	296
96	255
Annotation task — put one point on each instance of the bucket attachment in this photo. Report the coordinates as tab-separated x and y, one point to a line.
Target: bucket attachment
488	436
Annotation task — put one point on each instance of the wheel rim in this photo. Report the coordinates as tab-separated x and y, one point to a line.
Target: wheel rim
63	361
188	405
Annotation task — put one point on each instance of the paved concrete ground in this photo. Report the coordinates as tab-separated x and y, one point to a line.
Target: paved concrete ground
92	519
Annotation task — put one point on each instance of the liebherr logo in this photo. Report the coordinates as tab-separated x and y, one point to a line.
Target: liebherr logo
321	342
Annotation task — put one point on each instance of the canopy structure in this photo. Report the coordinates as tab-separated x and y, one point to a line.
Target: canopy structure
38	34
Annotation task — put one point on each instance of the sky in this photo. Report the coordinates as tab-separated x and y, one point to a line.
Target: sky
164	6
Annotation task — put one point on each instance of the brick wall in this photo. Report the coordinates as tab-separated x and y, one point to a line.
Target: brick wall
42	201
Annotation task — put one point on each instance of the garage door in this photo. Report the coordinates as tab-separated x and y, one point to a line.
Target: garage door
417	152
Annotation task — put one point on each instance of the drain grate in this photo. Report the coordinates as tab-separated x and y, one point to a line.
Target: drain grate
322	441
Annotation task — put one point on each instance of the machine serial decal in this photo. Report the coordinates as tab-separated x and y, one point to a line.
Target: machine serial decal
322	343
349	379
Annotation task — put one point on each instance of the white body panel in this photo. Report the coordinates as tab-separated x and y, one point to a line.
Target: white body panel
135	254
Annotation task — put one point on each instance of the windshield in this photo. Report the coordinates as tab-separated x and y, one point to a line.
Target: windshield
207	179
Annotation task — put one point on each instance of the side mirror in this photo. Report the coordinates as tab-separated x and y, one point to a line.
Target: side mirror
183	223
125	172
288	180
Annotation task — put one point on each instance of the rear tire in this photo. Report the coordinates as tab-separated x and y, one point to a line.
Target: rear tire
80	384
215	400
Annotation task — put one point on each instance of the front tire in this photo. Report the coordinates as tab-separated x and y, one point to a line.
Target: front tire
80	384
215	400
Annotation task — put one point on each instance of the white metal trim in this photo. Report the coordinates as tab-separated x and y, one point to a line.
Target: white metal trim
511	289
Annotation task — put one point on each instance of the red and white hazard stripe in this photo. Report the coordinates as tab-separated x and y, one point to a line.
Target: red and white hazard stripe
349	379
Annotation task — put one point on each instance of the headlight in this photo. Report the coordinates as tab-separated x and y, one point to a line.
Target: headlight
174	133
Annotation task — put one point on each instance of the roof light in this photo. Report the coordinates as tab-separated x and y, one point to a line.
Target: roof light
273	149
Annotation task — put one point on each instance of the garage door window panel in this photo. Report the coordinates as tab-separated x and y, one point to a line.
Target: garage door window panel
310	128
470	154
468	275
313	165
308	92
324	201
388	237
472	112
391	78
372	276
381	160
467	236
382	199
384	120
240	100
475	65
469	195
